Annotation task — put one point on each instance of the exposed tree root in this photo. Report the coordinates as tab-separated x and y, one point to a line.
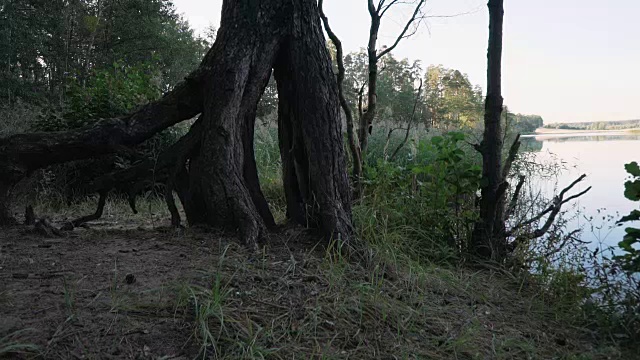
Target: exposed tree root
148	172
95	216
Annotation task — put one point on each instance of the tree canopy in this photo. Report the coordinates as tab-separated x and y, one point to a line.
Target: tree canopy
47	45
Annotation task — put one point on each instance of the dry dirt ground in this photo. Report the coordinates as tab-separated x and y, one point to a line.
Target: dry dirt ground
110	293
154	293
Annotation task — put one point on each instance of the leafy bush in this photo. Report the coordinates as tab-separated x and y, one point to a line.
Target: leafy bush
107	93
18	117
430	200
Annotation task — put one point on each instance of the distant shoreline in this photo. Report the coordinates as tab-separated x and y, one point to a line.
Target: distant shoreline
546	131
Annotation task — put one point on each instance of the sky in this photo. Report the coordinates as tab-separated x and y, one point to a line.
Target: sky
566	60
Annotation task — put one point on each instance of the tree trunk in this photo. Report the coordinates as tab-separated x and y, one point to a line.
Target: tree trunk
366	120
487	243
285	36
224	180
314	168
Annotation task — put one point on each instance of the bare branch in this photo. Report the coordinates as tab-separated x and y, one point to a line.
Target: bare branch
360	98
373	11
552	210
386	7
514	198
565	241
403	34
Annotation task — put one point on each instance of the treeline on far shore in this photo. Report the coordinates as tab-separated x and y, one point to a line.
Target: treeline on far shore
599	125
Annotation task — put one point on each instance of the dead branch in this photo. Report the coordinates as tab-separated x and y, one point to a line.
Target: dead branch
45	228
381	10
149	167
386	143
513	152
360	98
179	167
514	198
552	210
29	215
504	184
570	236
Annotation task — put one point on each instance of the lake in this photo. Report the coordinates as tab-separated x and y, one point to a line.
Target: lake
602	157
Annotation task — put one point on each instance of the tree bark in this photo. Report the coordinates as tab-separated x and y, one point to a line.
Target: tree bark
314	168
486	242
224	181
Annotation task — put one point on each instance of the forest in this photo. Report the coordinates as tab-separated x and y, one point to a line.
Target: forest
329	204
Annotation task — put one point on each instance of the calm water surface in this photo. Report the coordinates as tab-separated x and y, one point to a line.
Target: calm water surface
602	158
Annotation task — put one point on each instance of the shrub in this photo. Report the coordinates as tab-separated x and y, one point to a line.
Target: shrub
430	200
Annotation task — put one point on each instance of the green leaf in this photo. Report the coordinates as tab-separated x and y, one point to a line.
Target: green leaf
626	244
632	232
633	169
632	190
457	136
633	216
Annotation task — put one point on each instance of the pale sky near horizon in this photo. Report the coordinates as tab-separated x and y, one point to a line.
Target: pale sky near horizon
566	60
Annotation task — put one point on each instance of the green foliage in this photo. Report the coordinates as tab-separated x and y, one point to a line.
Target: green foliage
451	99
631	241
267	153
107	93
47	43
397	89
523	124
430	200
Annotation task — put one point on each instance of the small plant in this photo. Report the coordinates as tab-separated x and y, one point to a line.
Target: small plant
630	242
208	304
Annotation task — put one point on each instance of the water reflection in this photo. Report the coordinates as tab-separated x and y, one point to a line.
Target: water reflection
602	158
